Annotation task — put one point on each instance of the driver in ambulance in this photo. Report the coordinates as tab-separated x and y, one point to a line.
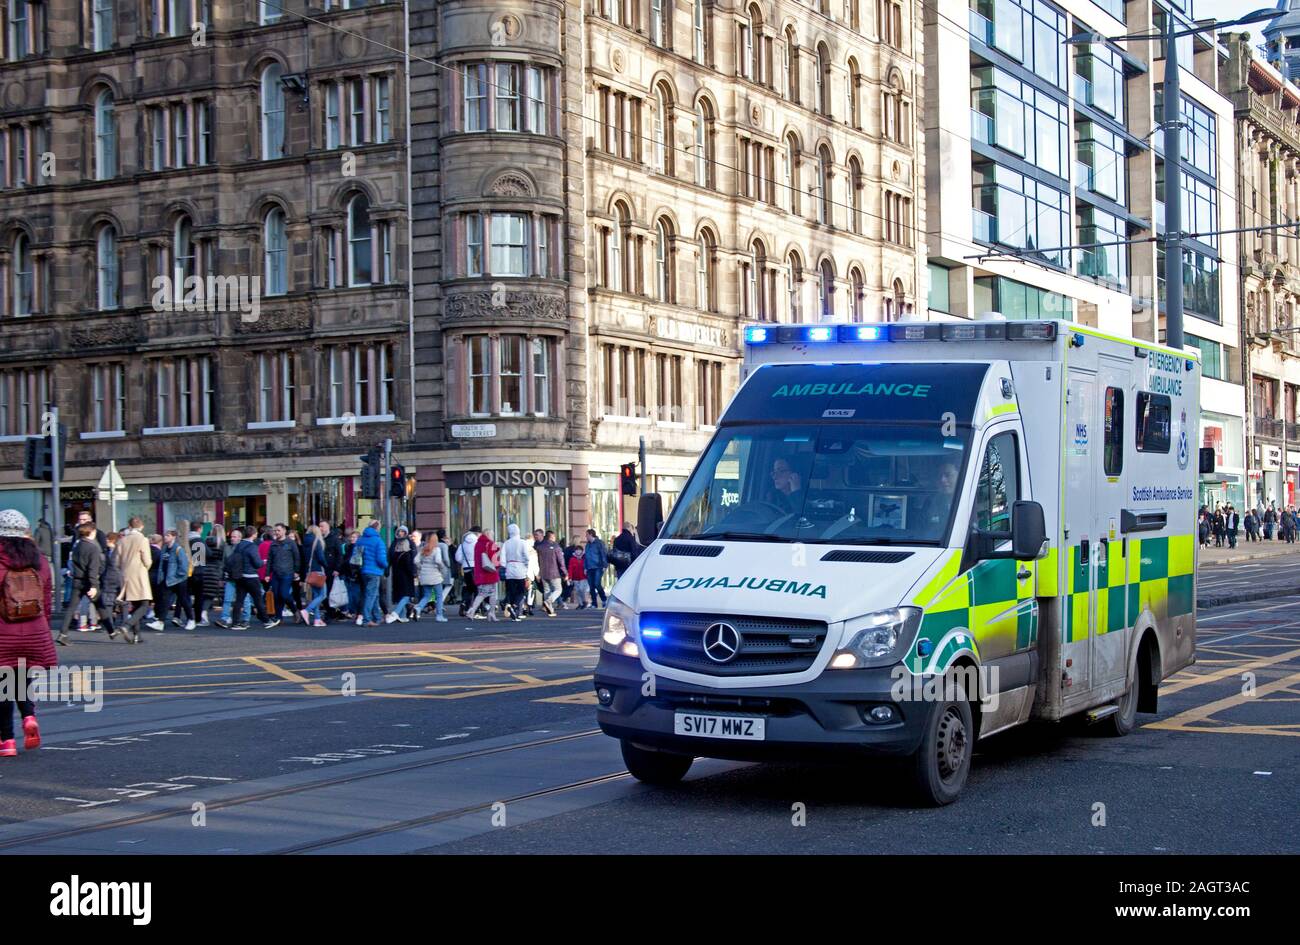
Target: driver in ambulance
789	486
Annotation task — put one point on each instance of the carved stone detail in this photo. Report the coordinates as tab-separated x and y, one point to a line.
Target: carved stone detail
511	184
294	318
465	306
118	332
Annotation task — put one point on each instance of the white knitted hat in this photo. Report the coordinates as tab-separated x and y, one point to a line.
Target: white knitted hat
13	524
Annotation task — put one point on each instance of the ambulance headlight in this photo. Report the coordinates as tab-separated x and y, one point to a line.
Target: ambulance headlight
878	639
618	635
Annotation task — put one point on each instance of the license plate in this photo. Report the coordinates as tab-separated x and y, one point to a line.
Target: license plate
719	726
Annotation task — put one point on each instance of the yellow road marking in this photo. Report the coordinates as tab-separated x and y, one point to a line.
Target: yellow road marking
288	675
1183	720
577	698
1178	685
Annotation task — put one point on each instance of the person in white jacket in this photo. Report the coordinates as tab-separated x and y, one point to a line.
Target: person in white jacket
465	558
514	555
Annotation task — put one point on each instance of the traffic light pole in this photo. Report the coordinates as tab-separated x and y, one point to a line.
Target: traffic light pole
385	497
55	475
1173	191
641	463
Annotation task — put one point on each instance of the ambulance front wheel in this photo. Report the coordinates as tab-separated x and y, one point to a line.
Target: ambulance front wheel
941	765
655	767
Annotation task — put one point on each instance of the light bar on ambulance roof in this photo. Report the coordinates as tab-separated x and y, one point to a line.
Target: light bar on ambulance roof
900	331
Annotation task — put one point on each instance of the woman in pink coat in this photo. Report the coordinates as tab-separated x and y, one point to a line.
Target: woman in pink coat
25	602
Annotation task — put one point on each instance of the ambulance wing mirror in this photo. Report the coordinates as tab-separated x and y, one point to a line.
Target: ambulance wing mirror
649	518
1207	459
1028	530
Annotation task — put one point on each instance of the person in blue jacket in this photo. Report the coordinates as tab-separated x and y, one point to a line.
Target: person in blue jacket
374	562
595	559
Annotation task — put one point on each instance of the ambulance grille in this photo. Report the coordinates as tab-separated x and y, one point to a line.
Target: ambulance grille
692	551
866	557
768	644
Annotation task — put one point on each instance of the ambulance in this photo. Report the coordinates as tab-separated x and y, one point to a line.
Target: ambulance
906	537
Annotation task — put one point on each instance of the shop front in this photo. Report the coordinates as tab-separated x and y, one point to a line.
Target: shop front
496	498
1227	485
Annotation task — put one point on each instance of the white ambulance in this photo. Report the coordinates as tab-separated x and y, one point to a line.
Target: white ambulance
906	537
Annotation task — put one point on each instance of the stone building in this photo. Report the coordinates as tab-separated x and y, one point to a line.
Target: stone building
1267	107
600	195
255	154
604	193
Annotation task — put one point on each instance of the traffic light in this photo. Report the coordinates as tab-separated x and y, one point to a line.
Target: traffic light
397	480
38	462
371	473
627	478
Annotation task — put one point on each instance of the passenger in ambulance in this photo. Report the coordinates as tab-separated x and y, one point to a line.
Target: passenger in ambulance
929	515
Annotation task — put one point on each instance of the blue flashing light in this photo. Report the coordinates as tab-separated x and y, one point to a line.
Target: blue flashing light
819	333
650	633
757	335
861	332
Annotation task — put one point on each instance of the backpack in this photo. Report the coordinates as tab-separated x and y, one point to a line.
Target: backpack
358	556
21	596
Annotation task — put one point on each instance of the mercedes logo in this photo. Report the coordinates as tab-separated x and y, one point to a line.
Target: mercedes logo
721	642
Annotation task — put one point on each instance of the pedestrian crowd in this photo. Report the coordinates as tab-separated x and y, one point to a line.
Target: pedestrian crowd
121	582
1222	524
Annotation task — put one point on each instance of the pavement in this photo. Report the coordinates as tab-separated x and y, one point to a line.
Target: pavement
1251	571
474	737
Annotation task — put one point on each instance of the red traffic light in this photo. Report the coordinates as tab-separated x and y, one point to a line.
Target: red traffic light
397	479
627	478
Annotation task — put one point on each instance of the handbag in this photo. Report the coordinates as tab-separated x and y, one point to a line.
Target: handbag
316	579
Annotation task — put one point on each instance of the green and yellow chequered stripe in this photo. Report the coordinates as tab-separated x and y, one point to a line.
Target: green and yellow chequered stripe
997	608
1156	573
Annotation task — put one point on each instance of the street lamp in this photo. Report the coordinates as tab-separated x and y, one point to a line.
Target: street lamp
1174	153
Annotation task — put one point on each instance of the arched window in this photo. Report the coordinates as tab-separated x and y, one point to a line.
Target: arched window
665	263
792	66
823	80
706	268
755	51
275	253
858	297
900	299
105	137
106	269
184	258
272	112
663	130
704	148
360	264
792	170
855	195
826	291
851	95
758	282
794	287
24	278
620	250
824	185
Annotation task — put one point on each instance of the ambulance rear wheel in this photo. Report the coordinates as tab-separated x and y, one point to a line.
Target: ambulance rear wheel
941	765
1118	724
655	767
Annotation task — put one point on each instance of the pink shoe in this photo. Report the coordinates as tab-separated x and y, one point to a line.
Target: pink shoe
31	733
8	749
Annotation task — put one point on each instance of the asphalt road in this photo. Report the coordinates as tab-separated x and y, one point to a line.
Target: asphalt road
470	737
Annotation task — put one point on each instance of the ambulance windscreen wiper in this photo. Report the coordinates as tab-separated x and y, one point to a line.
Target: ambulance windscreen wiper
737	536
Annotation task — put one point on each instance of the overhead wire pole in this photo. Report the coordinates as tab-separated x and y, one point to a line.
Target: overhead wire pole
1173	189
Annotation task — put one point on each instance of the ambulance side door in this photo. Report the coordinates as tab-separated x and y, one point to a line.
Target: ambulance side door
1080	529
1114	609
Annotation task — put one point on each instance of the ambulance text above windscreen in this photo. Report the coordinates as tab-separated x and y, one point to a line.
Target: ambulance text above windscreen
842	454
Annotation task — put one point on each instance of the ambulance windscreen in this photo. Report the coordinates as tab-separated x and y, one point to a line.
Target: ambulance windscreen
840	482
